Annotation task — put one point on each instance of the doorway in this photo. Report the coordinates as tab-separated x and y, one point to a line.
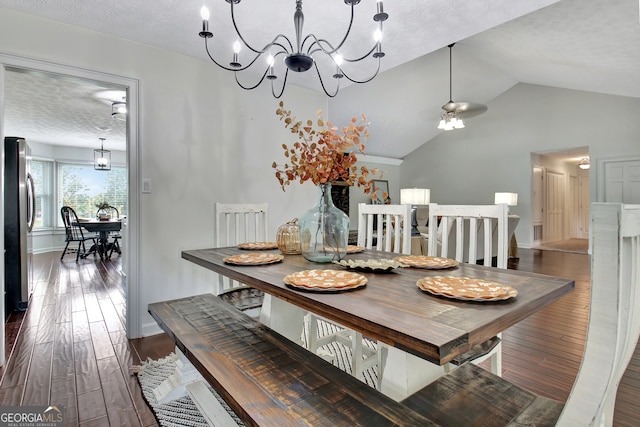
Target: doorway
131	159
559	198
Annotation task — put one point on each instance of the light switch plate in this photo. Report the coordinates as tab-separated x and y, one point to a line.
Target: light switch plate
146	186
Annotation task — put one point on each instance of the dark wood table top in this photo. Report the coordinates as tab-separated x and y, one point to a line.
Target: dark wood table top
392	309
95	225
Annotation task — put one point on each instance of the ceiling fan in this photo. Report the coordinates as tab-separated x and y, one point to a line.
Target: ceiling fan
454	112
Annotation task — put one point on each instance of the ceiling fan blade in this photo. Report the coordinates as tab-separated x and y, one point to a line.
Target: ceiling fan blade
465	109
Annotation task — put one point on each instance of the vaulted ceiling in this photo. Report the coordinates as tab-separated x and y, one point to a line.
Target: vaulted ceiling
591	46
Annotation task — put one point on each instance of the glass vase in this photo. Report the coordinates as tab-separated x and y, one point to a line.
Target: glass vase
324	229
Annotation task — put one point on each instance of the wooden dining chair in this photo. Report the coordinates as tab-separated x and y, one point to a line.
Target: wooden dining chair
73	233
392	234
239	223
459	227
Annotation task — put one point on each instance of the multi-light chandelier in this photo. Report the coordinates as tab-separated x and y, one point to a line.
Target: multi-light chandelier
298	57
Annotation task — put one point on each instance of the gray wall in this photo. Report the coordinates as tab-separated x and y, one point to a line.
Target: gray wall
493	153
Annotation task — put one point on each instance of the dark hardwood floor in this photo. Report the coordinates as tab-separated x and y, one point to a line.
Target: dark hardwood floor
71	349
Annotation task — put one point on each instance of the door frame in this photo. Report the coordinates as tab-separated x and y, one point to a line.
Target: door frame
131	259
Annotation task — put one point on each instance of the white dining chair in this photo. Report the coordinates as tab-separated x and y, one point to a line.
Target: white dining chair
458	226
235	224
614	315
392	234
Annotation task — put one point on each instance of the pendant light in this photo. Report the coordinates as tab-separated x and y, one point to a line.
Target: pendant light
101	157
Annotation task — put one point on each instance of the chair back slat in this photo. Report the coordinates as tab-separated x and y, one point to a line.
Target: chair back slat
239	223
614	316
392	231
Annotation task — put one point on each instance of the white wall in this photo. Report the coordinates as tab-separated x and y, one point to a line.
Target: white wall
492	153
202	140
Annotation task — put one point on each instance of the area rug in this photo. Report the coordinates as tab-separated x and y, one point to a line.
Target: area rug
183	412
177	412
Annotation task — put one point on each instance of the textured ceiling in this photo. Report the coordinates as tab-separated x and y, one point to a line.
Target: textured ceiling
571	44
61	110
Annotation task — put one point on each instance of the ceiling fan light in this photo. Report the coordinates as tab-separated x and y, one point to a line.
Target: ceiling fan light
453	110
442	124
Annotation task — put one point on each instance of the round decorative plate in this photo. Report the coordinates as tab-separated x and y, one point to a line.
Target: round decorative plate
370	265
428	262
253	259
258	246
353	249
325	280
466	289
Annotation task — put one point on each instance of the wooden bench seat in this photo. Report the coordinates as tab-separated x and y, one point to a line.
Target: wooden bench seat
267	379
472	396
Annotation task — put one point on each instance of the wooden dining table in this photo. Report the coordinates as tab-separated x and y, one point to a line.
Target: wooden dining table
103	228
391	309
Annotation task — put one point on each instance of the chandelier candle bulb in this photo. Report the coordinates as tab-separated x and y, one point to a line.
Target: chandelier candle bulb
377	35
204	13
338	60
270	62
236	53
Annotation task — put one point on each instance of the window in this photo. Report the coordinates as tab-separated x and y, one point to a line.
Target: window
83	188
42	173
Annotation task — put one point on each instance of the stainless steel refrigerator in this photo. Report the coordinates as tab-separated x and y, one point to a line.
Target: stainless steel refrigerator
19	216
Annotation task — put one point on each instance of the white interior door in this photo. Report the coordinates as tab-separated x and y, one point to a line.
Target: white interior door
622	181
555	199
